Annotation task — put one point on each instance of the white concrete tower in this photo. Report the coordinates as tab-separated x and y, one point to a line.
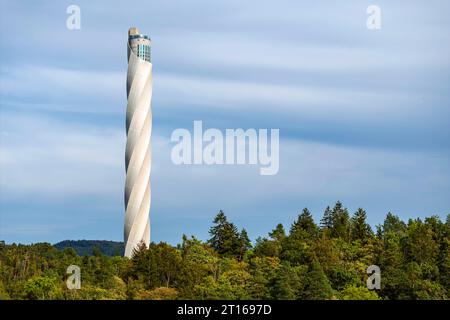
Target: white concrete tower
138	153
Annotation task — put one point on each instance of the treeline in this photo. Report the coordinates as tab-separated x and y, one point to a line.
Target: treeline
327	260
90	247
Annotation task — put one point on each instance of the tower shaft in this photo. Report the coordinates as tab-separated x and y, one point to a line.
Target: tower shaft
138	155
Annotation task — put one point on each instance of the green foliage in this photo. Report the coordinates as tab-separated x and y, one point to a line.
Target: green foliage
289	282
157	266
3	293
42	288
304	227
162	293
420	244
317	285
358	293
278	234
263	272
244	244
86	247
340	227
271	247
327	221
360	229
392	223
200	261
311	262
224	236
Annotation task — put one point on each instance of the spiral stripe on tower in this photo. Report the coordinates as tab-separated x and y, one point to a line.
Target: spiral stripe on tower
138	155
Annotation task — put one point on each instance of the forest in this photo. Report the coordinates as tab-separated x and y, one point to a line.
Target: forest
310	260
87	247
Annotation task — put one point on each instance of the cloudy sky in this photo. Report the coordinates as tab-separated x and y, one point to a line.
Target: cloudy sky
364	115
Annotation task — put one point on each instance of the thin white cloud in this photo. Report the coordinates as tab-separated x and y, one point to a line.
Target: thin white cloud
307	169
46	157
64	88
324	102
102	92
230	50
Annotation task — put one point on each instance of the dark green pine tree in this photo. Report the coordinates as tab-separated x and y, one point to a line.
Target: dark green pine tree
327	221
392	223
244	244
318	286
287	283
143	266
341	222
224	236
304	226
278	233
360	229
139	251
420	245
296	248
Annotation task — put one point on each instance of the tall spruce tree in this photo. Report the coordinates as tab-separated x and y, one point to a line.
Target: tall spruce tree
360	229
244	244
224	236
318	286
392	223
340	222
288	283
327	221
304	226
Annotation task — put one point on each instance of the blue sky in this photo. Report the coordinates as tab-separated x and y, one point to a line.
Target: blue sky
364	116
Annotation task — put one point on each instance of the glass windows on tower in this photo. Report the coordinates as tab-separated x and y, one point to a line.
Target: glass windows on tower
143	52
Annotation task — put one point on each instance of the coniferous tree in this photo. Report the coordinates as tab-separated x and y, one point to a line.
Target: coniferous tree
278	233
360	229
296	248
414	259
420	245
340	222
304	226
143	266
244	244
327	221
288	282
392	223
264	271
271	247
224	236
318	286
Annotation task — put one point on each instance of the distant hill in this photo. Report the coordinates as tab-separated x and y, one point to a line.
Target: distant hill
86	247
